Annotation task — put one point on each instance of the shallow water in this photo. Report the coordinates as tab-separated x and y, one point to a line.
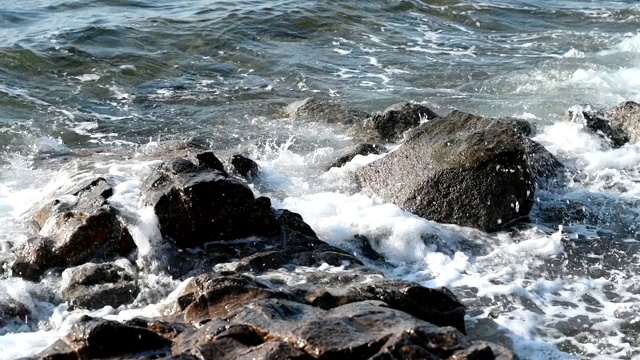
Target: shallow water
117	76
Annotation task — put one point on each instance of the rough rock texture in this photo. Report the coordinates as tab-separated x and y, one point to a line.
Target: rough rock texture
324	111
395	120
246	167
619	124
346	155
94	286
197	204
461	169
92	338
77	227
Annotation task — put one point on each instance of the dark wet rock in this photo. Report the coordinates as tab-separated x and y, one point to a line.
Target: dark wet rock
436	306
295	222
324	111
195	205
362	330
92	338
13	312
166	329
542	163
33	258
274	350
77	227
244	166
389	125
346	155
461	169
217	339
209	160
619	124
217	296
94	286
364	248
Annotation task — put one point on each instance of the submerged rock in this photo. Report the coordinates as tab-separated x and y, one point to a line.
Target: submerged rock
346	155
198	204
389	125
75	228
94	286
324	111
620	124
461	169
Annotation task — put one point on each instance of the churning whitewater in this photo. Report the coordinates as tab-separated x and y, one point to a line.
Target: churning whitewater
111	89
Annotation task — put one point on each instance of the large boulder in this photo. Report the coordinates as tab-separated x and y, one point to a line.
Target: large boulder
619	124
389	125
196	204
74	228
94	286
461	169
326	111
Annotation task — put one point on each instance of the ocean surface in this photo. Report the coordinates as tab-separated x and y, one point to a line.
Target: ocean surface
112	80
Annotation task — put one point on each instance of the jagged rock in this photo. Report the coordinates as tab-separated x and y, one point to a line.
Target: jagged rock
542	163
346	155
461	169
198	204
620	124
94	286
33	258
92	338
209	160
216	296
436	306
324	111
295	222
395	120
246	167
361	330
166	329
75	228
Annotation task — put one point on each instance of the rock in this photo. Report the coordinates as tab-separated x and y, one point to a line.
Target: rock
619	124
217	339
33	258
168	330
12	312
324	111
217	296
361	330
542	163
246	167
436	306
75	228
196	205
389	125
209	160
94	286
92	338
461	169
294	222
346	155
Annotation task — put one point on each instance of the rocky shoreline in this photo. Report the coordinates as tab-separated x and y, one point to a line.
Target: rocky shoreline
233	248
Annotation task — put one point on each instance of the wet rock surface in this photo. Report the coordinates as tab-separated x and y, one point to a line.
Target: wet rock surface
196	204
94	286
244	166
461	169
389	125
619	124
74	228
